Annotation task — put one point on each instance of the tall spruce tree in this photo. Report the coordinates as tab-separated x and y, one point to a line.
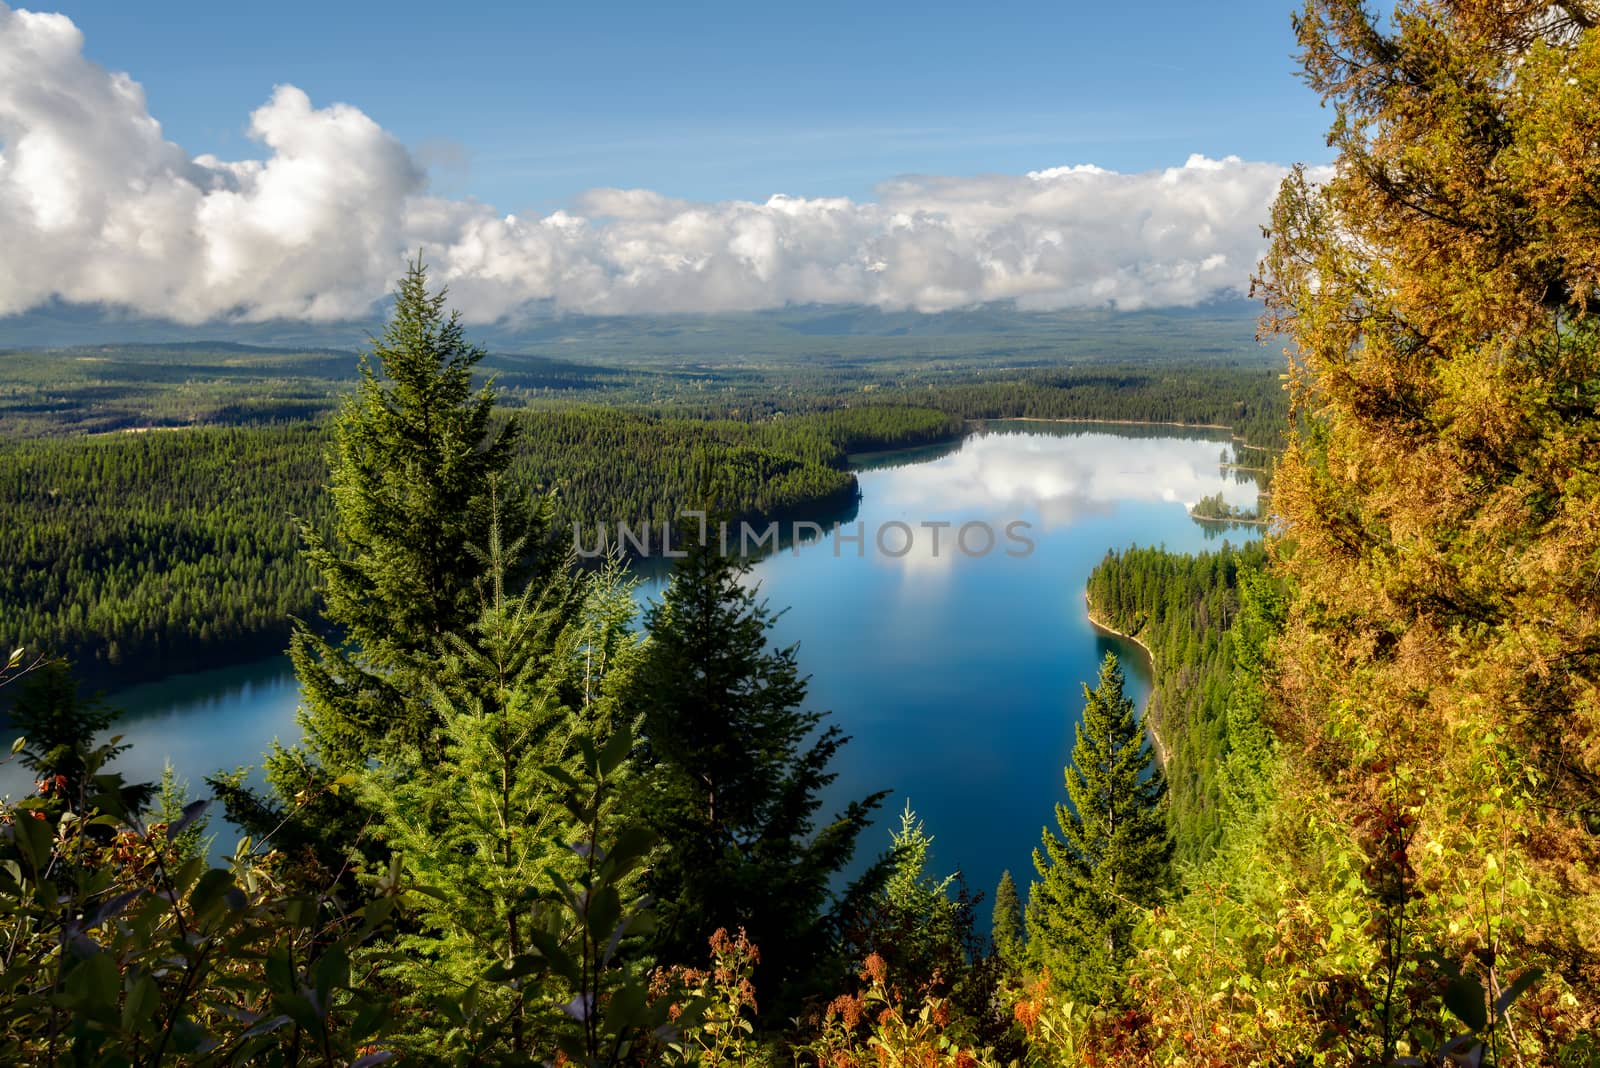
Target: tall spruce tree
1114	855
415	453
483	825
738	770
1005	929
416	477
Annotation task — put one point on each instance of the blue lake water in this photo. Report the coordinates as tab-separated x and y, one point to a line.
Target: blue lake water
957	674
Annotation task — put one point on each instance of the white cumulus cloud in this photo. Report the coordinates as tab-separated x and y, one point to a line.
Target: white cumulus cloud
97	206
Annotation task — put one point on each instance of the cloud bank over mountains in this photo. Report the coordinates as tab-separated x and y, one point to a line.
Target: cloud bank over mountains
96	206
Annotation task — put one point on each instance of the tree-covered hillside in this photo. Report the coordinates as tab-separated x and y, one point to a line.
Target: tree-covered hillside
1413	883
137	555
522	827
1183	608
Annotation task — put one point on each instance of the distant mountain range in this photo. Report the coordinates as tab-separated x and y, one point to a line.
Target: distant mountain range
1220	325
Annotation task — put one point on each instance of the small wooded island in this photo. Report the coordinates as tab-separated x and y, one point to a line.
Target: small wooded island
1216	507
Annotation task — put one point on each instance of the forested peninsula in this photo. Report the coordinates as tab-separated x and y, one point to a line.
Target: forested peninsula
175	548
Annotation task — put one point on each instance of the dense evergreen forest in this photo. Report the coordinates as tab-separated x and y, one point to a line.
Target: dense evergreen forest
168	546
136	555
525	825
1183	609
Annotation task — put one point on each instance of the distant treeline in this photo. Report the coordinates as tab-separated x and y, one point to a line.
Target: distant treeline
1182	607
1249	400
138	555
143	554
98	390
612	464
1104	375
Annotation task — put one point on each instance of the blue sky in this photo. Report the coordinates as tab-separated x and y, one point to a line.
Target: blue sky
526	106
195	162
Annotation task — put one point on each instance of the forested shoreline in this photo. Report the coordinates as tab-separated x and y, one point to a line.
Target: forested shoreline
525	823
1182	609
139	555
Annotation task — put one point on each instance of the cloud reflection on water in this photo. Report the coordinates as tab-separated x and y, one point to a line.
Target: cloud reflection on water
1048	479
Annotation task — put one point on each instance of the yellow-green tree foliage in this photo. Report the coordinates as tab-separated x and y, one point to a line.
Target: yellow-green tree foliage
1413	878
1436	684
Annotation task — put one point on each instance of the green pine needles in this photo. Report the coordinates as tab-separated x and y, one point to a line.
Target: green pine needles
1005	931
739	768
1113	858
415	453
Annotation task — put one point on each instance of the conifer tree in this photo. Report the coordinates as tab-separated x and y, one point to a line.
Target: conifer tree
1114	854
416	472
414	454
923	927
923	924
1006	926
482	825
738	770
58	727
170	801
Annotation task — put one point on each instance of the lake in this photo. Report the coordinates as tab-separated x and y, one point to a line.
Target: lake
957	674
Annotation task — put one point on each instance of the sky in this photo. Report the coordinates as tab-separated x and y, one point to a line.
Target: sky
905	155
